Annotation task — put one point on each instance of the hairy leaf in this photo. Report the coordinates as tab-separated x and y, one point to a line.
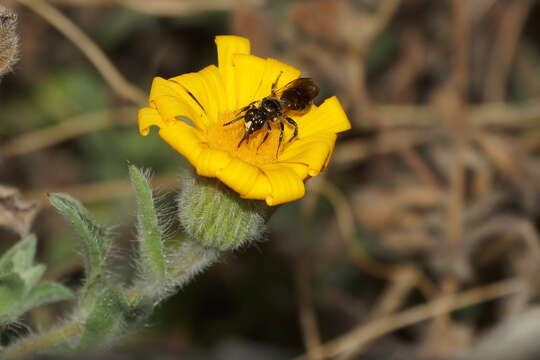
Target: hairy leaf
12	289
33	275
45	293
20	256
149	232
94	238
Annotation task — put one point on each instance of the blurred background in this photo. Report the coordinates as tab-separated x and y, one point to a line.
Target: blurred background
419	242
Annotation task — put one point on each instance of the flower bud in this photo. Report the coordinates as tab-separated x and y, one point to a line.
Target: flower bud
217	217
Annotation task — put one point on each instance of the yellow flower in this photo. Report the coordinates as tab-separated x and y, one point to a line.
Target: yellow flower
212	97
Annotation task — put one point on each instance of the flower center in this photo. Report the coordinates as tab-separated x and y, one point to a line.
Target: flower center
226	138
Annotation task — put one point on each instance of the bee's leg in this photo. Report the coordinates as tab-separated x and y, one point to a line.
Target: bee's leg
234	120
244	138
247	107
274	85
242	110
295	126
265	135
281	131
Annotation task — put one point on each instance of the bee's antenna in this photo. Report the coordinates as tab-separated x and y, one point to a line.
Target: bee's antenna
234	120
275	83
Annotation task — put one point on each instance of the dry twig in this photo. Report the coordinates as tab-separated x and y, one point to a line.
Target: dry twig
363	334
308	319
106	68
346	225
506	44
66	130
102	191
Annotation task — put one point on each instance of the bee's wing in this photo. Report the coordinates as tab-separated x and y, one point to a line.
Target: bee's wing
305	83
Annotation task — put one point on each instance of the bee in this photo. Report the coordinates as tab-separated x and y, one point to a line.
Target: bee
294	98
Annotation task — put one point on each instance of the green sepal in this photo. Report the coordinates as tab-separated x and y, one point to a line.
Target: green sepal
217	217
20	256
152	261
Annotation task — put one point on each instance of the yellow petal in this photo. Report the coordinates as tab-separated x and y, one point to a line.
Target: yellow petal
284	183
312	151
249	71
215	88
162	87
255	76
273	69
200	94
195	89
207	87
300	169
170	108
184	139
166	88
328	157
240	176
328	117
227	47
211	161
149	117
